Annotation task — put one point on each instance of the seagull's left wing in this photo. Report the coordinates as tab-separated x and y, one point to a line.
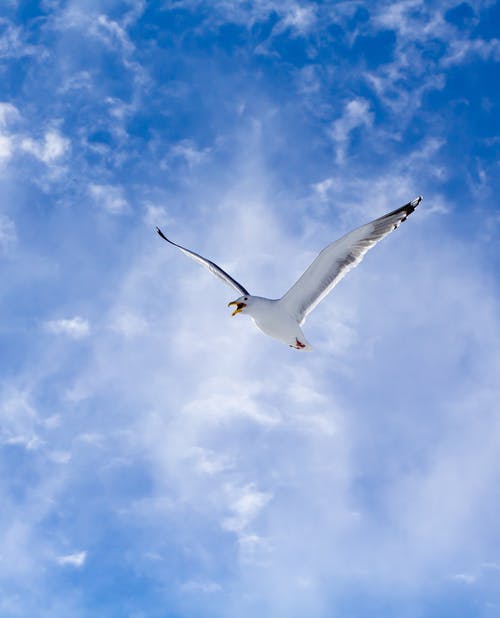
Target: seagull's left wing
337	259
212	267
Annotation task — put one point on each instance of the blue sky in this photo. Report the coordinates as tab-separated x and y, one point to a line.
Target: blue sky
161	459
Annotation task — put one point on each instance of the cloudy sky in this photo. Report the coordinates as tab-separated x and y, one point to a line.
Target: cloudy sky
162	459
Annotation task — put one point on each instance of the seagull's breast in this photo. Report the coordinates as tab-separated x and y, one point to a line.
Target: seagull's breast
272	319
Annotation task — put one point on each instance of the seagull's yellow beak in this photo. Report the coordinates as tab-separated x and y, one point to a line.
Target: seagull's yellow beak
239	307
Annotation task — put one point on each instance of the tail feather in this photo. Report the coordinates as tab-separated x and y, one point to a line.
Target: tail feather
301	344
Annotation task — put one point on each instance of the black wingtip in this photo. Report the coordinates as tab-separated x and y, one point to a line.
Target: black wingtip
160	233
407	209
410	207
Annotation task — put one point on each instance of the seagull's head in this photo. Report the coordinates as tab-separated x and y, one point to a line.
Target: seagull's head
240	304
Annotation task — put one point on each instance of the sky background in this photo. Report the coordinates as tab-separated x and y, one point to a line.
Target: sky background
161	459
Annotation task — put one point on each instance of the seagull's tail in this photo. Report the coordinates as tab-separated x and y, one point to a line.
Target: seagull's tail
300	343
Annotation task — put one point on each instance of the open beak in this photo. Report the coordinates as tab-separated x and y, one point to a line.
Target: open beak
239	307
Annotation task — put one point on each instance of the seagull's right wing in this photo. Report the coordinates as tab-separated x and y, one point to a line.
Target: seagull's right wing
337	259
212	267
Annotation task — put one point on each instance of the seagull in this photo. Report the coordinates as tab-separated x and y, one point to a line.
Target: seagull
282	318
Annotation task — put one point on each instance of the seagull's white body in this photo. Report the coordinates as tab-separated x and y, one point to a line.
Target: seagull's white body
282	318
273	319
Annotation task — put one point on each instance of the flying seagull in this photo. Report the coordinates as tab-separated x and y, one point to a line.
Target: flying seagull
282	318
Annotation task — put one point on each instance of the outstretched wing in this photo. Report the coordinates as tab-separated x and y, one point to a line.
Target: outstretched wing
337	259
212	267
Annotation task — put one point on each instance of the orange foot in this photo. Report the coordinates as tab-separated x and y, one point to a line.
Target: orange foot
298	344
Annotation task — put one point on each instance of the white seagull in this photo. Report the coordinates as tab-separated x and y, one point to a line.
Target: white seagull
282	318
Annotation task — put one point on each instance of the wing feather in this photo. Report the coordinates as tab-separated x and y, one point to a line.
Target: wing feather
337	259
212	267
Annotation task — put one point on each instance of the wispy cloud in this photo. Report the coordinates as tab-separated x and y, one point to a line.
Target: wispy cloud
76	327
186	150
76	560
12	42
8	113
356	114
110	198
52	147
6	147
245	504
460	49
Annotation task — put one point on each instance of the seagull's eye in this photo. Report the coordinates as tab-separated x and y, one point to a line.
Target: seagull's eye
245	298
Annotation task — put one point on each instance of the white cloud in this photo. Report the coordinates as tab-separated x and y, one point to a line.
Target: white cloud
399	15
186	150
137	8
356	114
295	14
300	19
49	149
53	147
322	188
245	503
30	443
52	422
255	549
8	114
209	462
401	83
76	327
82	80
109	197
221	399
461	50
76	560
109	32
388	82
309	84
113	34
6	147
18	419
11	41
156	215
